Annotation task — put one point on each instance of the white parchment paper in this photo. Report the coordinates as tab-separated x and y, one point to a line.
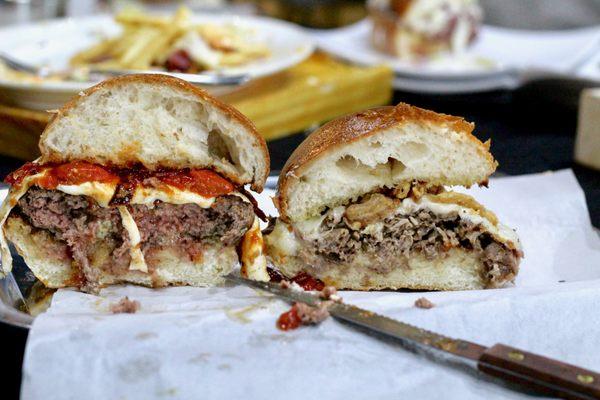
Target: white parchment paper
222	343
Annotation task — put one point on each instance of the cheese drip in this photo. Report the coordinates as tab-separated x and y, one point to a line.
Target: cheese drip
254	262
137	257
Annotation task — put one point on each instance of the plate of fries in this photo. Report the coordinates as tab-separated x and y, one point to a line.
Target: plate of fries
186	43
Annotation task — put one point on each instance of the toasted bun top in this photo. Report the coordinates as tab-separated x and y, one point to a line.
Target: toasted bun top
381	147
156	121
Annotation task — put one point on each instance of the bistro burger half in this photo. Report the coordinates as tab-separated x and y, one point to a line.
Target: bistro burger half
141	180
365	204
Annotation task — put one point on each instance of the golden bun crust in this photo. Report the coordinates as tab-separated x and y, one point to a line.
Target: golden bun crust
354	127
127	157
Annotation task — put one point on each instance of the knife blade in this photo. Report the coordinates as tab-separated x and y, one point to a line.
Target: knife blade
208	79
510	364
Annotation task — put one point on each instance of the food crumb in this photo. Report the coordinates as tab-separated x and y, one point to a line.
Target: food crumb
125	306
313	315
330	293
422	302
303	314
284	284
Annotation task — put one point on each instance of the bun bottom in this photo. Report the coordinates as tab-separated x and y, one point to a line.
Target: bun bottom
38	249
457	270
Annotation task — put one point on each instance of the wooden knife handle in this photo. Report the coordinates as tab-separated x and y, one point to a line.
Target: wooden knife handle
543	374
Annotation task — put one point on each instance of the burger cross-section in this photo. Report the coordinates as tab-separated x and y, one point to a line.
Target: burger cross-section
140	181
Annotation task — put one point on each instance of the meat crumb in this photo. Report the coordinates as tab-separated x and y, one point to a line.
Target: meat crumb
304	314
422	302
284	284
330	293
125	306
312	315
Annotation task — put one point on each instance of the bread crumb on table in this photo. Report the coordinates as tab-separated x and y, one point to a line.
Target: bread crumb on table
125	306
422	302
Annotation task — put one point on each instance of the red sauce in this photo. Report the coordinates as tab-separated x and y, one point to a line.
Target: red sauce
72	173
76	173
308	282
204	182
259	213
274	275
304	280
15	178
289	320
179	61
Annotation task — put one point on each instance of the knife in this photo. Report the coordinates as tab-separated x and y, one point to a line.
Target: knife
208	79
532	371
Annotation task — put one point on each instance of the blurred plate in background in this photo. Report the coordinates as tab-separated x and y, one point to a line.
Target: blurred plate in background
52	43
498	59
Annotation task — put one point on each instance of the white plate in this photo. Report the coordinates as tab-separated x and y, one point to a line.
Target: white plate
52	43
494	61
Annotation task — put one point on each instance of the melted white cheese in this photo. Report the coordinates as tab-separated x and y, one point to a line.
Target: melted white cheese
283	240
137	257
101	192
147	196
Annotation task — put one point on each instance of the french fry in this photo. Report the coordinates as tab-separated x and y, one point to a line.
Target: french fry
135	17
148	40
89	55
154	41
158	49
143	38
124	42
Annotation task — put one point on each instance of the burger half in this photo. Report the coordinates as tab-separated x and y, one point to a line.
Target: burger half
141	180
365	203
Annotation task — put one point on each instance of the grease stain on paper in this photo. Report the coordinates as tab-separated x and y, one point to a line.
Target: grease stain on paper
139	368
242	315
146	335
169	392
224	367
199	358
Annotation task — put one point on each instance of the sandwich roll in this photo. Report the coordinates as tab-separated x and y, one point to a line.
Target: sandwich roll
365	203
140	181
414	30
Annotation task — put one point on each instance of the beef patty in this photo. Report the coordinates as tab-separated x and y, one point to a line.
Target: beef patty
83	225
401	235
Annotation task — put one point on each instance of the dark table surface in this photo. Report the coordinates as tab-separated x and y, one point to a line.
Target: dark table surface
530	133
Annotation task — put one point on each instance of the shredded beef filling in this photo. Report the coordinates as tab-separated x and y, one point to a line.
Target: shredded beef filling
84	226
403	235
